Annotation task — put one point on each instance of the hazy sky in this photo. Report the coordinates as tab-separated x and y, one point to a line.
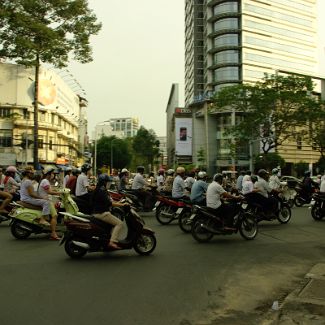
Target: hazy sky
137	55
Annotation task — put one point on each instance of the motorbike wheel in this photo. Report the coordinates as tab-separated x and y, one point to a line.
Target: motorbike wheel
165	214
284	214
182	221
73	250
18	231
316	213
298	201
199	233
145	244
248	226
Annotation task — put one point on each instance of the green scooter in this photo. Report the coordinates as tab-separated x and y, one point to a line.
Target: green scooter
24	216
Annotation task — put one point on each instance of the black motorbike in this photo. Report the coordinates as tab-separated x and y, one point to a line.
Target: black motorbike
303	197
318	206
282	213
92	235
206	223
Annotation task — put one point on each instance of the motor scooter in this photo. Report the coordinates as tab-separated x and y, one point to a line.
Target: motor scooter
24	216
92	235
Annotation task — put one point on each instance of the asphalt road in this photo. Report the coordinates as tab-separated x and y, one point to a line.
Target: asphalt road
227	281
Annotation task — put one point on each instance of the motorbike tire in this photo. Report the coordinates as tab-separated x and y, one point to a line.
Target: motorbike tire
182	221
145	244
284	214
316	213
248	226
163	218
298	201
73	250
18	231
200	234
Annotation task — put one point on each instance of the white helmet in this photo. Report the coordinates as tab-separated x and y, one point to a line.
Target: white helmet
180	170
124	170
201	174
170	171
11	169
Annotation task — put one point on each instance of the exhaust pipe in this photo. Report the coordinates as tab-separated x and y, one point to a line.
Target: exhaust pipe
81	244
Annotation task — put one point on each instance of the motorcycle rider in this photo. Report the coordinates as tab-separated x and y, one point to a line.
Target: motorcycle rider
67	174
44	191
269	202
139	184
28	195
189	181
308	185
215	192
10	184
82	186
179	186
72	181
124	179
199	189
102	203
168	184
160	179
274	180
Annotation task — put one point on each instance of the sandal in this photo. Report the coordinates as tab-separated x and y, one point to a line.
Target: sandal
43	222
114	245
55	238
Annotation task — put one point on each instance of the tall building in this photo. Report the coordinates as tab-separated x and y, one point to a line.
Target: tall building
122	127
239	42
62	135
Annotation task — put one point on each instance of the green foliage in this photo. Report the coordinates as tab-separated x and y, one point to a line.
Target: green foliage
106	146
274	110
201	158
47	31
268	161
145	147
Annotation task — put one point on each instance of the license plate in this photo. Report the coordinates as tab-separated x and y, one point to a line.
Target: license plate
179	210
157	203
312	202
192	216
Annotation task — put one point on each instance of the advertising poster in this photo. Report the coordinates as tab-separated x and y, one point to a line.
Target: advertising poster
183	132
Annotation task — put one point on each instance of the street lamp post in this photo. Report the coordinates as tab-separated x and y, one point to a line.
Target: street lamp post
112	160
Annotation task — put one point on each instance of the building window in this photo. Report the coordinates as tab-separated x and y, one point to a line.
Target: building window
226	73
26	114
229	56
226	23
5	141
225	7
226	40
299	143
42	117
4	112
51	144
40	144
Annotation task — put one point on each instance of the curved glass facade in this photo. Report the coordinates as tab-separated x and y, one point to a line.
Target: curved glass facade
225	7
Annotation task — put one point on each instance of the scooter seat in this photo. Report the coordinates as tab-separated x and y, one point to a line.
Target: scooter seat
29	206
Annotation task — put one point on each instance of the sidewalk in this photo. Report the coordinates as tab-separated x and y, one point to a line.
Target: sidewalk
303	306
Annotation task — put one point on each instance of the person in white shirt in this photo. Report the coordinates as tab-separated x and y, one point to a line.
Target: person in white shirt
160	179
214	194
179	185
189	181
45	191
139	184
83	186
274	180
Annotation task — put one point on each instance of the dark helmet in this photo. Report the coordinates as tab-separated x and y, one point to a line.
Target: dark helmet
307	173
218	178
85	168
262	173
49	170
103	179
140	169
254	178
76	171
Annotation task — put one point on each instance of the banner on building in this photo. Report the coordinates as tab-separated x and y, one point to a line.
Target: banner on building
183	133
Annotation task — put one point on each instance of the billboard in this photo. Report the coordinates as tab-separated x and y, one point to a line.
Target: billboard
183	135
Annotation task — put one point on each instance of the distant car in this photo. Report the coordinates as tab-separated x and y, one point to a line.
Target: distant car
291	181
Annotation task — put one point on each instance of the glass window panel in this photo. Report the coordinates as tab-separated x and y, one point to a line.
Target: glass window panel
226	73
226	40
225	7
226	23
229	56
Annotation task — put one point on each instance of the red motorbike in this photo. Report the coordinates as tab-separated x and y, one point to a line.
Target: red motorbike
169	209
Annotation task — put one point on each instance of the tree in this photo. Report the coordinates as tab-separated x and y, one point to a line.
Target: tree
32	32
113	150
201	158
268	161
145	146
274	111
